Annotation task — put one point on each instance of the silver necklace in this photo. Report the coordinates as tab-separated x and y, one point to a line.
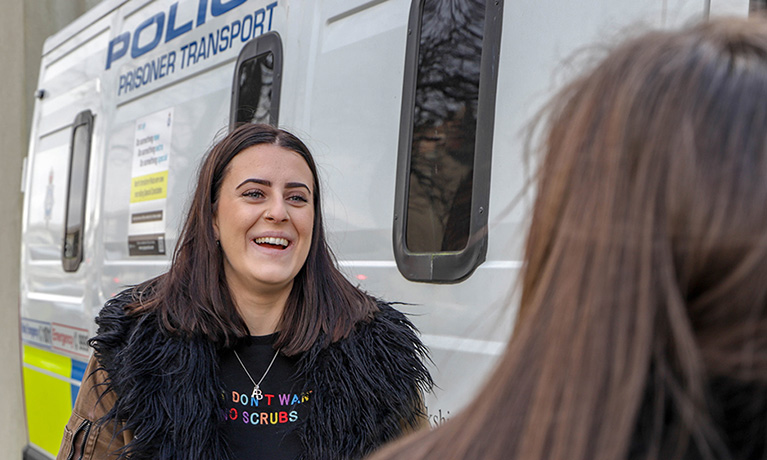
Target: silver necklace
257	386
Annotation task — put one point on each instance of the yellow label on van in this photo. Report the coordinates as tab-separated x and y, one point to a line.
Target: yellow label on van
149	187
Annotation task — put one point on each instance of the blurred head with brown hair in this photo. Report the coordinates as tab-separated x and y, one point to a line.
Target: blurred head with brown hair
643	331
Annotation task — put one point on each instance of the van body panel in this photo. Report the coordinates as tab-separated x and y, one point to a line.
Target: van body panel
342	92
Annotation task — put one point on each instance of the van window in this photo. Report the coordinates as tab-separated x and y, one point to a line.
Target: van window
257	79
445	145
77	188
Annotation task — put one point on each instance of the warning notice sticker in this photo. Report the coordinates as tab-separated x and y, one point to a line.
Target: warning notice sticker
149	184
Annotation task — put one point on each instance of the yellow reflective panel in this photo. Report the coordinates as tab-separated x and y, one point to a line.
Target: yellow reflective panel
48	399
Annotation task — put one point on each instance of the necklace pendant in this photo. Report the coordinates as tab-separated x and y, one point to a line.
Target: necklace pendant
257	394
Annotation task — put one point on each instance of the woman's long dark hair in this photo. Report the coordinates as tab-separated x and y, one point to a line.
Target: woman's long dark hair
193	299
643	325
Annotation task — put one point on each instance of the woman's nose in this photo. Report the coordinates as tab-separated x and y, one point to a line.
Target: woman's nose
277	212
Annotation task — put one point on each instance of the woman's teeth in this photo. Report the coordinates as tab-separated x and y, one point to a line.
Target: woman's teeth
273	241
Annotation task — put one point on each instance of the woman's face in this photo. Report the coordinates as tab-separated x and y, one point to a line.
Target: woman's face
264	218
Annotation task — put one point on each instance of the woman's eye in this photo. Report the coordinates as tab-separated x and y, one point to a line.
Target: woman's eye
298	198
253	194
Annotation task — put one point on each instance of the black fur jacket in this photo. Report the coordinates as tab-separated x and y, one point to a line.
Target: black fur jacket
163	397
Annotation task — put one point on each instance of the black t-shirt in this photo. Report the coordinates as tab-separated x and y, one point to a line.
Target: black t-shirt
263	429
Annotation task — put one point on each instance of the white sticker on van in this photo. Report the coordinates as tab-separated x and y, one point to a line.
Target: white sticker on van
149	184
70	339
36	332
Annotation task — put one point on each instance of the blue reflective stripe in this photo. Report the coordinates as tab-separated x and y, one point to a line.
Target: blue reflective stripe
74	389
78	370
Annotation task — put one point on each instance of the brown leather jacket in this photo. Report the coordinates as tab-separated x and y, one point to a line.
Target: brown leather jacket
328	432
84	439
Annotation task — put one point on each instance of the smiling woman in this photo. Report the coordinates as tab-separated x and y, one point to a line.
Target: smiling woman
263	222
253	308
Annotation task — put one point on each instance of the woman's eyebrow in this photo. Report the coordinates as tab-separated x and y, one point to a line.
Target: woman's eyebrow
298	185
268	183
255	181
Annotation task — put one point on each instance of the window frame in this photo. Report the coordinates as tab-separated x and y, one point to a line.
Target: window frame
83	120
448	267
757	7
269	42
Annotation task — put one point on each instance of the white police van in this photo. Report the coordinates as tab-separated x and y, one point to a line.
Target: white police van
415	111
